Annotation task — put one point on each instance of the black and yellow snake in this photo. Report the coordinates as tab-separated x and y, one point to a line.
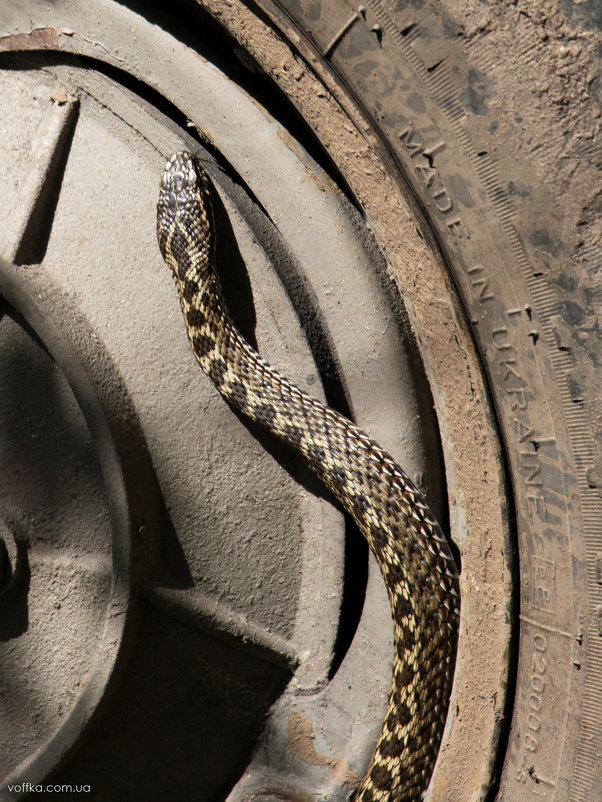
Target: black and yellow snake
413	554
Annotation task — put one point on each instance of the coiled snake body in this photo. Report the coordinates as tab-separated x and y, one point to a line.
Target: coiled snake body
414	557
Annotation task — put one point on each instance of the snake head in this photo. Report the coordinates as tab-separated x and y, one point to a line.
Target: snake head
184	207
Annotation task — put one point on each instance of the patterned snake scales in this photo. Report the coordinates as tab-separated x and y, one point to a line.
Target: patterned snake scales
414	557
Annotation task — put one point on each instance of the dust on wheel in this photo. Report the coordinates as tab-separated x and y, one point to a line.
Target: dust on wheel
407	231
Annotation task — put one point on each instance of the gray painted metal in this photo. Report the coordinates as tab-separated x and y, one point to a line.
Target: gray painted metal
238	559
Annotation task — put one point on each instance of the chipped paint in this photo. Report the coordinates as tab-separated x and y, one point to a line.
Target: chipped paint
300	740
38	39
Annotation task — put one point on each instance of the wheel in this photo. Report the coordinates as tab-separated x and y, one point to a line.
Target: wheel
394	239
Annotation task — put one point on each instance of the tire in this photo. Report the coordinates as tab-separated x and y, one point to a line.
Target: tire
481	196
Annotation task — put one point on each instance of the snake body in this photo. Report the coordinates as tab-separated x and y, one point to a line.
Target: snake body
412	552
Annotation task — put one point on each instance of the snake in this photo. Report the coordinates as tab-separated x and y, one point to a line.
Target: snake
412	551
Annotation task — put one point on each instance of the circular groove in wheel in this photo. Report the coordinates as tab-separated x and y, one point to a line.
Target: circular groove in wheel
65	611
